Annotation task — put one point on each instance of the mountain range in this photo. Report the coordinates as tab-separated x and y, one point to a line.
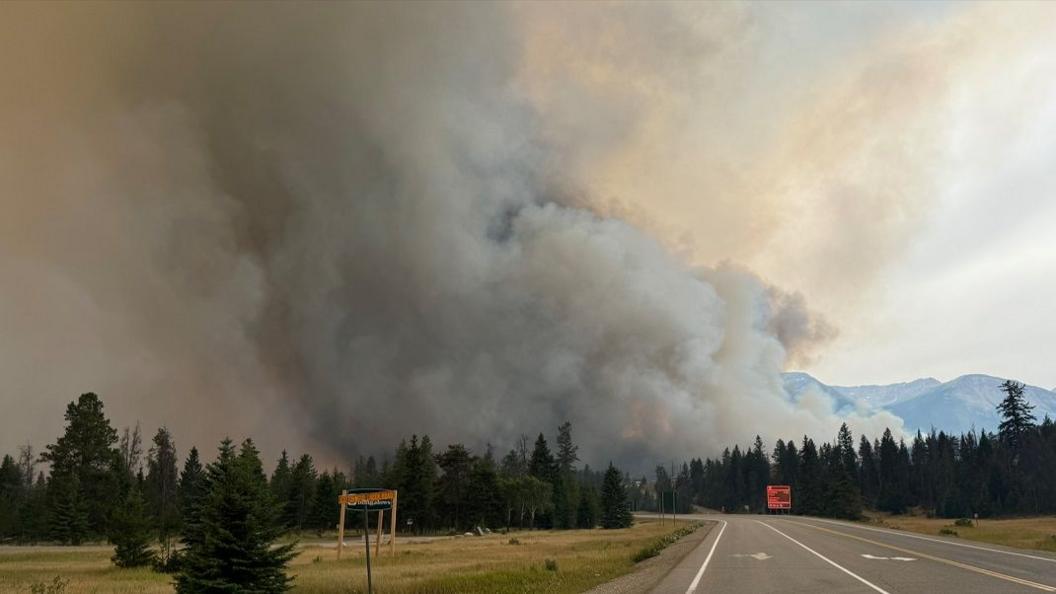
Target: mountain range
956	406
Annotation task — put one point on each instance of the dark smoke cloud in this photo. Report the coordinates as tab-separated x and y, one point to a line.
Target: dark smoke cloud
332	225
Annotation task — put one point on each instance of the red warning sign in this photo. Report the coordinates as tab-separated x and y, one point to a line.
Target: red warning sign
778	497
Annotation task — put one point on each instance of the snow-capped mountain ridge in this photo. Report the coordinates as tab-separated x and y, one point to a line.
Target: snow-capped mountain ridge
959	405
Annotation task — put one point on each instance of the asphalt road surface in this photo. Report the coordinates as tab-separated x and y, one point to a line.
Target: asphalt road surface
789	554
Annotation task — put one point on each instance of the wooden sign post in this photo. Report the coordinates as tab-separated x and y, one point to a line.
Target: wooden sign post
366	500
341	524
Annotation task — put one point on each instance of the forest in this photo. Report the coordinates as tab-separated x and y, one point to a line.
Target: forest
96	484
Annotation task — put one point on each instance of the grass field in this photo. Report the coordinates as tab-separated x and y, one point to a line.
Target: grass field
488	564
1038	533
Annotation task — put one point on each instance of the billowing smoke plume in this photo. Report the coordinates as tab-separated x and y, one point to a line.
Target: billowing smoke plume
333	225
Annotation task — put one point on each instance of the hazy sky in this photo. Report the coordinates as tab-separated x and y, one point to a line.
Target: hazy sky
973	288
894	162
332	225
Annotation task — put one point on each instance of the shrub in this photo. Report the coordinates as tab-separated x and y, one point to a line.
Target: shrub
551	564
56	586
963	522
514	541
948	531
653	549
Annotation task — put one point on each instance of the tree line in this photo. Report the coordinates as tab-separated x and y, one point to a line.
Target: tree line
217	523
1012	471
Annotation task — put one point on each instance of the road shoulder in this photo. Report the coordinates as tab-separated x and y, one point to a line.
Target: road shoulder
651	572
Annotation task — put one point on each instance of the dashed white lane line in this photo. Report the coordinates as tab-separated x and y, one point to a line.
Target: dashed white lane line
827	560
700	573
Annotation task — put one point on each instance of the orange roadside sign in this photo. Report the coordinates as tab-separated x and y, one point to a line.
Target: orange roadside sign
778	497
368	498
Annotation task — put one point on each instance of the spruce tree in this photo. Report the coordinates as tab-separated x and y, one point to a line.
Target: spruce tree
587	512
614	510
324	505
1017	415
190	493
301	493
239	524
11	494
131	533
566	490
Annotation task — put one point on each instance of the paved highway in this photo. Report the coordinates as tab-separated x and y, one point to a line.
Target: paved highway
789	554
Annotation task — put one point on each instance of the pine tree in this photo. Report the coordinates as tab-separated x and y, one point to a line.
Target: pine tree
614	509
453	485
239	524
130	532
82	463
161	490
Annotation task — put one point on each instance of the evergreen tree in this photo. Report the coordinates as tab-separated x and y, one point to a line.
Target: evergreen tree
1017	417
33	516
589	510
324	514
566	491
301	493
11	493
416	484
82	487
811	487
455	464
190	493
240	522
130	532
484	505
614	510
161	490
280	479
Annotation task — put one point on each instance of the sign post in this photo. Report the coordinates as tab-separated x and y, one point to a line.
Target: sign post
779	497
368	500
341	525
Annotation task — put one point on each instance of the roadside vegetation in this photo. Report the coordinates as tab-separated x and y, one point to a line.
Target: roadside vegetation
225	523
581	559
1036	532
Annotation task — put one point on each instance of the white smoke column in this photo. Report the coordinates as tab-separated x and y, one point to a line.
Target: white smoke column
331	226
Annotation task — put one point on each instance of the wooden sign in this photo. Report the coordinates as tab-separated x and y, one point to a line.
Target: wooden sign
381	499
368	499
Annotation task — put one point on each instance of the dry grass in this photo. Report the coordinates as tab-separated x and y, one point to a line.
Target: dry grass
487	564
1037	533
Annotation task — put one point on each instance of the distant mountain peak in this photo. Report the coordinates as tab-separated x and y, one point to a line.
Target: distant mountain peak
957	406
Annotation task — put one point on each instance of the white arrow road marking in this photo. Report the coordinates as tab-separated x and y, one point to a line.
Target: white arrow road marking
867	556
756	556
827	560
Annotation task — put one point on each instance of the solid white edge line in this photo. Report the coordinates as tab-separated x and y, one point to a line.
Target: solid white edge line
919	537
700	572
827	560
